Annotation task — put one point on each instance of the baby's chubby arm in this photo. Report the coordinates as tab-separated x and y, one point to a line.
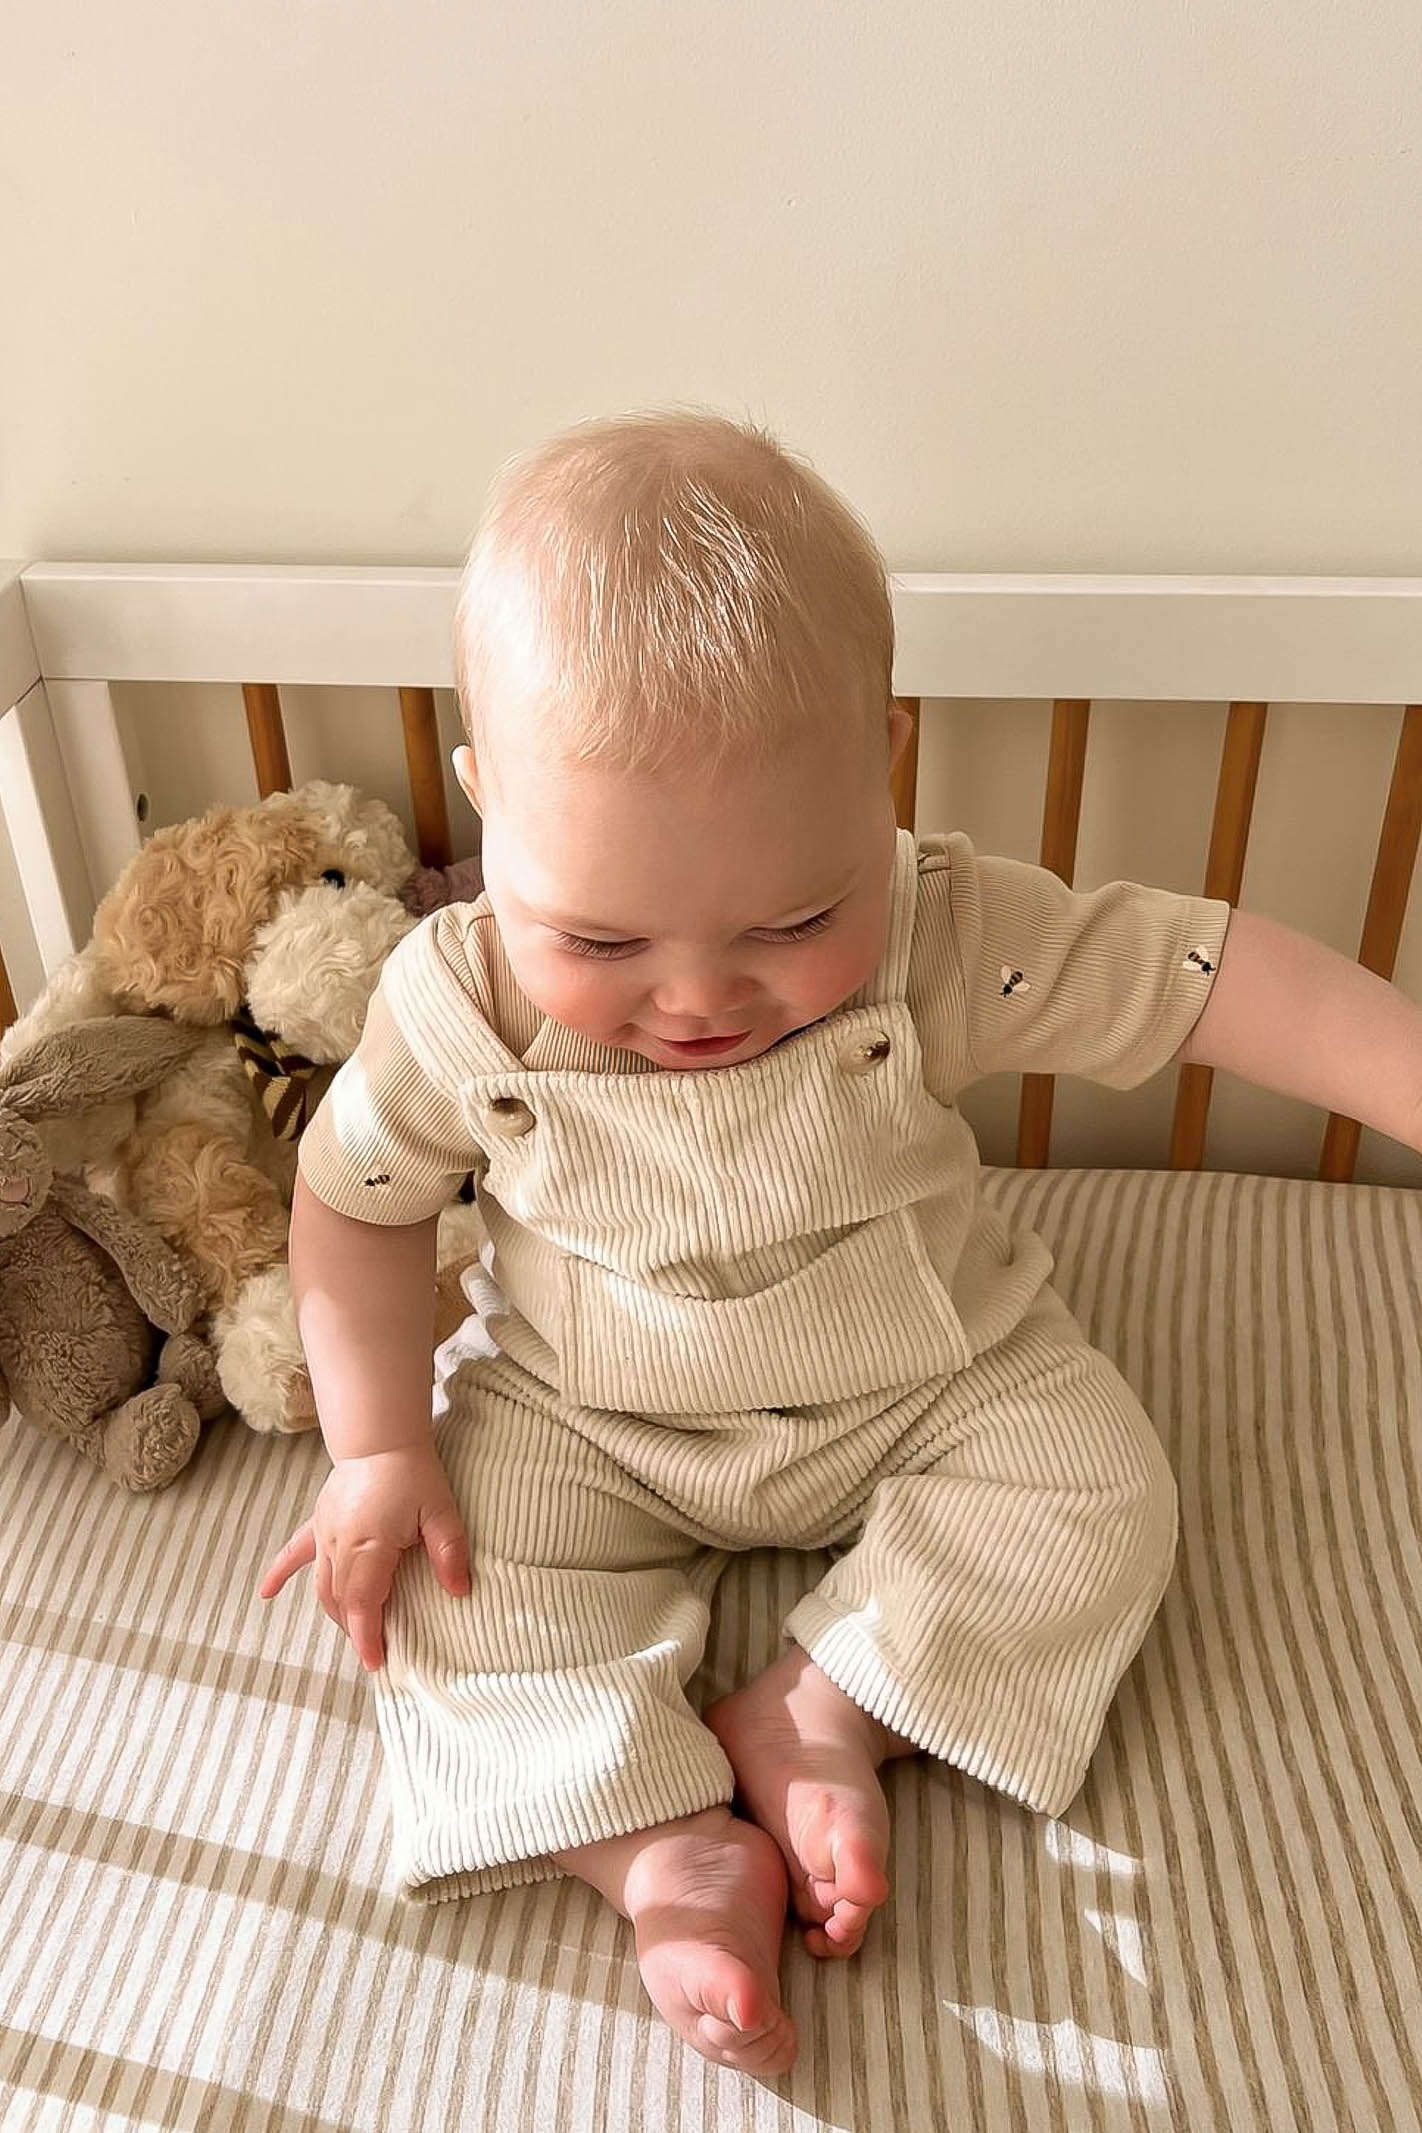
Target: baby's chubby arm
1293	1015
365	1303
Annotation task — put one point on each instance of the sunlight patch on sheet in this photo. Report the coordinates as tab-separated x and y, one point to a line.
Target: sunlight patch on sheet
1069	2053
1070	1848
1123	1937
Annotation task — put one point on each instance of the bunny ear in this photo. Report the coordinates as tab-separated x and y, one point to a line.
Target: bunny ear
93	1062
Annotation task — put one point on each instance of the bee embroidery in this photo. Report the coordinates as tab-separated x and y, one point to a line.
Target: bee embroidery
1198	959
1013	981
381	1177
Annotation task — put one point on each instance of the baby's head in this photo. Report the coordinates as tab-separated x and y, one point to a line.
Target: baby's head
674	646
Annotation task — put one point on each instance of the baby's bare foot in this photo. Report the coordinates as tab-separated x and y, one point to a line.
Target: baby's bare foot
806	1760
706	1896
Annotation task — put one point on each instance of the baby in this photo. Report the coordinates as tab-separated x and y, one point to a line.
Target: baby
700	1043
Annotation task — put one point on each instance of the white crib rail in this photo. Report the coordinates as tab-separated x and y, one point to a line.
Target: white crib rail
1296	640
69	778
44	875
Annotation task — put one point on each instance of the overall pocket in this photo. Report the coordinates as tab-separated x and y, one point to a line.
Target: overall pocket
869	1313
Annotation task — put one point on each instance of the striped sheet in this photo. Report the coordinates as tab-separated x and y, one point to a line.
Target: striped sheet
197	1926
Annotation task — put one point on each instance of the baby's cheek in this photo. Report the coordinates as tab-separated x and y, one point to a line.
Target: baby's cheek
839	969
582	994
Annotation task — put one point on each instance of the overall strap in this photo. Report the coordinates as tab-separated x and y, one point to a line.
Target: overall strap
443	1028
889	980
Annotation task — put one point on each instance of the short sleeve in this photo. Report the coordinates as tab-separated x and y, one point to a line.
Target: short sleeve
388	1143
1104	983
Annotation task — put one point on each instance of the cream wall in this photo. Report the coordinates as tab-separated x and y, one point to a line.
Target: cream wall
1119	285
1115	286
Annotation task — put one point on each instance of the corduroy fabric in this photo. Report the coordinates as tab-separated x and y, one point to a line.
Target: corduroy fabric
1013	1527
762	1305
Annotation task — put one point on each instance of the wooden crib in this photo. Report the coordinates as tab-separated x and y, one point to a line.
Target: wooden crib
196	1925
73	803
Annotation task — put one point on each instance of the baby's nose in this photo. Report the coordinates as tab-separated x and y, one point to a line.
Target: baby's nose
702	996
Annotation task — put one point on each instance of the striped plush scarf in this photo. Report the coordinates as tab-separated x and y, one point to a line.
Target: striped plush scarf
281	1076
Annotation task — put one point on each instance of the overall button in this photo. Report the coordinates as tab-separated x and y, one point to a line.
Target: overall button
509	1117
866	1052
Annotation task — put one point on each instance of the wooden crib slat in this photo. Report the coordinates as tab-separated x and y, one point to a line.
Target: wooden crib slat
268	737
904	782
1387	909
424	766
7	998
1061	822
1224	874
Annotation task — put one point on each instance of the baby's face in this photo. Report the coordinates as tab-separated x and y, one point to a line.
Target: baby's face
693	919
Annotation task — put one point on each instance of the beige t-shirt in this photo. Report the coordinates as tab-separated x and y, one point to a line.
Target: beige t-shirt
1009	971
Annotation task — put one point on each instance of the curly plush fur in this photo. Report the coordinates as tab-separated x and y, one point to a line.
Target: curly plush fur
363	838
310	962
262	1366
175	931
201	1193
290	907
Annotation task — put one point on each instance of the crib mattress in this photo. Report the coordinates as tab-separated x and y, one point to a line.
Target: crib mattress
198	1924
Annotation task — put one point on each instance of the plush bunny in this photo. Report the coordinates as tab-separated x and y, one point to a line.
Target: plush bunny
87	1288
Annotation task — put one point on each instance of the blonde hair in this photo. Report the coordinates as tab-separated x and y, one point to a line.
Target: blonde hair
670	587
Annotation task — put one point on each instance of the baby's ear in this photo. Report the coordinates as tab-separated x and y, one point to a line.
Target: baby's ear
466	770
900	730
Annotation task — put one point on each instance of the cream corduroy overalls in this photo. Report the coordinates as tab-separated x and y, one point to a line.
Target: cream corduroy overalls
610	1433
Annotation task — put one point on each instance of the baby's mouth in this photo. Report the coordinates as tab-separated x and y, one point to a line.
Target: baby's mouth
695	1046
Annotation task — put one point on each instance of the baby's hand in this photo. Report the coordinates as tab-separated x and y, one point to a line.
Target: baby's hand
368	1512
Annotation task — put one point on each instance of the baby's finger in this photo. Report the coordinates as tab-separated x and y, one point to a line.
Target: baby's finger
299	1551
363	1629
448	1550
361	1592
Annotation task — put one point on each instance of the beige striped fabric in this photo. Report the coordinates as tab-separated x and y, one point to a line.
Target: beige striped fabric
198	1925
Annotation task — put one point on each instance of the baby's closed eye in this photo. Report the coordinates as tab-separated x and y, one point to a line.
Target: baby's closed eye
581	944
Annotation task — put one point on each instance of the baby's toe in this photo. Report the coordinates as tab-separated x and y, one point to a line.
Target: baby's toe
813	1900
732	1997
842	1932
762	2048
844	1883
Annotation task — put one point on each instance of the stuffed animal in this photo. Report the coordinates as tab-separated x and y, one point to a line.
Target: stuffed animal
177	934
86	1288
260	1358
431	888
265	927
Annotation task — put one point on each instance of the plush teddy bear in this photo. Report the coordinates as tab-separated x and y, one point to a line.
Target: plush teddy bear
259	1352
265	927
87	1290
260	1358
